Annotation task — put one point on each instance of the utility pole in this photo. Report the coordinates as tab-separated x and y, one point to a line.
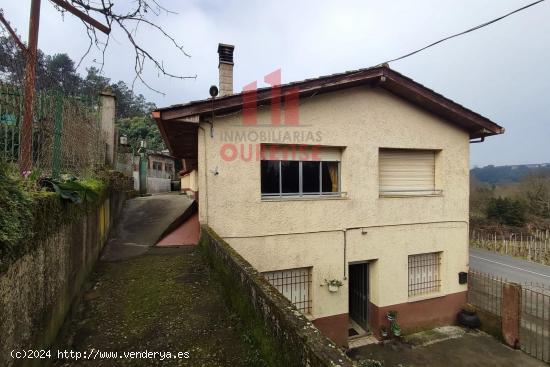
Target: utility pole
25	158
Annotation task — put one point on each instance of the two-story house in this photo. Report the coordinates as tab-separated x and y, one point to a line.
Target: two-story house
348	191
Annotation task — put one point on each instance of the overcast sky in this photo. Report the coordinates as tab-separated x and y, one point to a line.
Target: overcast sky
501	71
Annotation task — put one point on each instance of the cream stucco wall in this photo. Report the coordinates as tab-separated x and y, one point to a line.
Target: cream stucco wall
283	234
189	181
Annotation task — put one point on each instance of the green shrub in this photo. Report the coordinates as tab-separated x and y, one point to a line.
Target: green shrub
29	213
506	211
15	213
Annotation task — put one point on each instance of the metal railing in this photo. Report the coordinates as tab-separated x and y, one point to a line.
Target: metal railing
485	293
535	321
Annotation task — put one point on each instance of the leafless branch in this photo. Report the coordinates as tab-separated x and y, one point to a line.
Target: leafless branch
12	32
128	23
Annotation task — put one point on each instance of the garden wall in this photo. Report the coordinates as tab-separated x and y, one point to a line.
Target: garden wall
38	288
284	336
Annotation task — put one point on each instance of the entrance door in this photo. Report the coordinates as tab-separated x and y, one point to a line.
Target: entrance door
359	294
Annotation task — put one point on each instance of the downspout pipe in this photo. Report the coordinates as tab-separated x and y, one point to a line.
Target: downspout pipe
205	172
481	140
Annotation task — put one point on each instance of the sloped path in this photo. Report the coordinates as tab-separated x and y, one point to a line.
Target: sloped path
141	224
164	300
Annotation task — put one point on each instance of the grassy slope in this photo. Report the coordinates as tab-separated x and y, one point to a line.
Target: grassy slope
162	301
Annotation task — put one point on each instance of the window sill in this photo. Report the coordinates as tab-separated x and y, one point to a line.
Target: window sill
425	297
341	196
397	195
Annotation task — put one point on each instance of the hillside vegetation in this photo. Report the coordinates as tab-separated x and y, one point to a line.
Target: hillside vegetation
510	199
500	175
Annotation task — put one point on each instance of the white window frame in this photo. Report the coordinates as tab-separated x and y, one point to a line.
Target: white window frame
301	194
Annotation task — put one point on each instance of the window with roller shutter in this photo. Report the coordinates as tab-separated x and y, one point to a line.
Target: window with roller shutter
407	172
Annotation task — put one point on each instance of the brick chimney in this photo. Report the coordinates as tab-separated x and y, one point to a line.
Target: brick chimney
225	68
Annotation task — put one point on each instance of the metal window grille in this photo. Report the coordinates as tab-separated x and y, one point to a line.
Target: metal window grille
294	284
424	274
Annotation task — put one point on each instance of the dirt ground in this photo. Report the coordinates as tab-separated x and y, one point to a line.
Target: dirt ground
473	349
164	300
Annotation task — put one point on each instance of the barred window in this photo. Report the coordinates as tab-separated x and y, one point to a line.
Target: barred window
424	274
294	284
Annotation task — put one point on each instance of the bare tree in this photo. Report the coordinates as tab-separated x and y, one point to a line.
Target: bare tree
536	188
142	13
128	22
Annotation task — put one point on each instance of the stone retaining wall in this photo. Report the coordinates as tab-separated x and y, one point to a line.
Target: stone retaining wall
38	289
284	336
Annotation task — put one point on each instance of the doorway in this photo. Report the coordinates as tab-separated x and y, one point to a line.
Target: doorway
358	298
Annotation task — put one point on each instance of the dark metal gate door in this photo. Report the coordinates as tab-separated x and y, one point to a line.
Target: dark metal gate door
359	294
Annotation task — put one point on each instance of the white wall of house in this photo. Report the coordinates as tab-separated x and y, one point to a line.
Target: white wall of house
189	181
157	185
295	233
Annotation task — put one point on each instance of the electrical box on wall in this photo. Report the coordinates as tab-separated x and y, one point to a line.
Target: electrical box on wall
462	277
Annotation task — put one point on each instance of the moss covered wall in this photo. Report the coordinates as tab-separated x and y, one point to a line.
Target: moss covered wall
38	289
284	336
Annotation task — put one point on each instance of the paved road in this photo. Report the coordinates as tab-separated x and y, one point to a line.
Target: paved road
511	268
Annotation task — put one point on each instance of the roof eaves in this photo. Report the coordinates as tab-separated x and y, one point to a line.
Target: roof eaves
390	79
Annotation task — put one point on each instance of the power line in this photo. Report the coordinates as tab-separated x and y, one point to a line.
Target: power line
466	31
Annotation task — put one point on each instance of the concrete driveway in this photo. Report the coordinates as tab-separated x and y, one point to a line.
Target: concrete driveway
472	349
142	222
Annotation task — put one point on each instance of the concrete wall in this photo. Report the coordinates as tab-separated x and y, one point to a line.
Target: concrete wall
125	162
156	185
135	176
291	233
37	291
284	336
107	120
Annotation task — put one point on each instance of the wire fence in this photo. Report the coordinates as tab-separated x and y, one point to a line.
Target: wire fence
485	293
533	247
66	131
